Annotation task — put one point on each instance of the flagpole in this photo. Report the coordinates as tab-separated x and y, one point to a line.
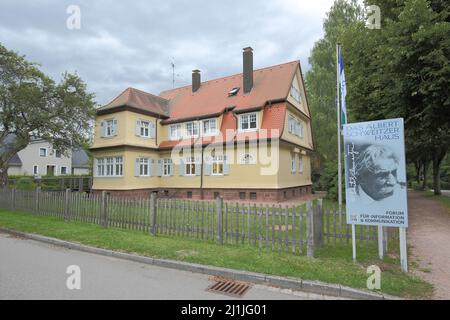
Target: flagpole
338	49
339	134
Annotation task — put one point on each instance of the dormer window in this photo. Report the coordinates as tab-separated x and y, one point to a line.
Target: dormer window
247	122
192	129
233	91
175	131
295	93
209	127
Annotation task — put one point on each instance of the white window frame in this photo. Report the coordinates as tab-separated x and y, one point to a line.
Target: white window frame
245	159
110	129
166	167
247	117
193	131
295	126
300	164
190	162
217	160
175	134
109	166
60	170
295	93
118	164
209	131
46	152
56	154
144	167
293	160
144	128
35	169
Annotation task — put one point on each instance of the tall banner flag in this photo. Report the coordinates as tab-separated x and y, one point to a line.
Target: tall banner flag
375	173
343	89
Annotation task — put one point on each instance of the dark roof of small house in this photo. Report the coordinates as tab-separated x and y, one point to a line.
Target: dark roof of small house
15	161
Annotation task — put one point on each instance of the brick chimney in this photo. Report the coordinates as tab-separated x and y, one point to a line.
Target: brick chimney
248	69
195	80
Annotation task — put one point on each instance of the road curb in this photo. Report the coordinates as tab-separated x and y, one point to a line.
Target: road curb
258	278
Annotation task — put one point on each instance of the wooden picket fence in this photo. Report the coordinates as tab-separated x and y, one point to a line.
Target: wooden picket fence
279	228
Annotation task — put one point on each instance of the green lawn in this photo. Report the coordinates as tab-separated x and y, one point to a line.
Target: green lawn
333	262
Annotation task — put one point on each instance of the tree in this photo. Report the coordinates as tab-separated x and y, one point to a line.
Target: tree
321	81
33	105
403	70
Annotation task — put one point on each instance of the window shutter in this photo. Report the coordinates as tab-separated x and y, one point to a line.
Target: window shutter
159	167
138	128
115	127
95	169
152	168
103	129
152	130
208	169
198	169
226	168
171	169
136	168
182	168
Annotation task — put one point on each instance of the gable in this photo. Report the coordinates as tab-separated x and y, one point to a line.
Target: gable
298	84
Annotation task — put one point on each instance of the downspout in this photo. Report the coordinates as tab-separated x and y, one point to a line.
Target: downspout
201	164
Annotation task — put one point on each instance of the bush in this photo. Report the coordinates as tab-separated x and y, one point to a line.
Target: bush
329	181
25	183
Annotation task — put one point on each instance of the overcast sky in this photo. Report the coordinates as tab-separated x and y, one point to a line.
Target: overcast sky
132	43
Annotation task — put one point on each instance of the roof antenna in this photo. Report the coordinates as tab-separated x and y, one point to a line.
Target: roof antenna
173	72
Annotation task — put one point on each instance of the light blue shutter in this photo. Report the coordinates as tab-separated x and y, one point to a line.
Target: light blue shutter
226	167
182	167
103	129
152	130
136	168
198	167
115	127
95	169
208	169
171	169
150	166
159	168
138	128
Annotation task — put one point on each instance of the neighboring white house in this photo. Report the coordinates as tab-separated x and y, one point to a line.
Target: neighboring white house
39	159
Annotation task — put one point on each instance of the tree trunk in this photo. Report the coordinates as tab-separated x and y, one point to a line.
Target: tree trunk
3	176
418	167
438	156
425	177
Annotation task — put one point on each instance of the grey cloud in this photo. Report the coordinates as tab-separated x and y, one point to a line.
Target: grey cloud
132	43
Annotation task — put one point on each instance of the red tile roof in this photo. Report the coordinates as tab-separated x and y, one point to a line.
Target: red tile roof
271	127
271	83
140	100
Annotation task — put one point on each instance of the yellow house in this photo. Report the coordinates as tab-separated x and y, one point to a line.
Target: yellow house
243	137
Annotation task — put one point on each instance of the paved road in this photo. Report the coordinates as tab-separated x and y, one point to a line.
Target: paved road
34	270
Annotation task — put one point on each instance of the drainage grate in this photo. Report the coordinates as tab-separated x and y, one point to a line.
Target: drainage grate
229	287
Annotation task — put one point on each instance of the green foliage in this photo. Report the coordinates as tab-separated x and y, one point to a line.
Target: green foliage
329	181
321	78
403	70
25	183
33	105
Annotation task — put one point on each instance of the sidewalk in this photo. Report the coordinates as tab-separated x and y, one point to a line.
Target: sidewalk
429	238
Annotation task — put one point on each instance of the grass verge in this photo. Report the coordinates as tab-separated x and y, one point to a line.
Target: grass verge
332	262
